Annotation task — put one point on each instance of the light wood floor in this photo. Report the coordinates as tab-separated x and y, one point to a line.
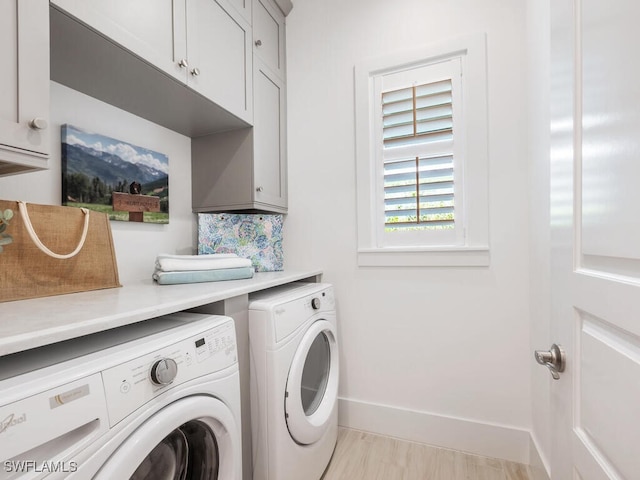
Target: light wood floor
365	456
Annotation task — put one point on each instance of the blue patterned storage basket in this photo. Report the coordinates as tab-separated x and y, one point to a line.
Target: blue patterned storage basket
254	236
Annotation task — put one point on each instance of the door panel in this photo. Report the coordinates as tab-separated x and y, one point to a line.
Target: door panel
610	126
595	238
605	398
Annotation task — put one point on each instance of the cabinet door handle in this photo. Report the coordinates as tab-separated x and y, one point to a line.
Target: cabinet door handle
195	72
258	43
183	63
38	123
259	189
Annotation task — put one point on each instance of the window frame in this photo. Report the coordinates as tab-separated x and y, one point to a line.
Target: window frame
472	248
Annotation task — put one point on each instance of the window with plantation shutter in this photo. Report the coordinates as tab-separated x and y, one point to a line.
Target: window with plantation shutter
421	146
418	191
418	163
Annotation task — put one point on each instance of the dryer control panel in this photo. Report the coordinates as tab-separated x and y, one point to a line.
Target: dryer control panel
290	314
131	384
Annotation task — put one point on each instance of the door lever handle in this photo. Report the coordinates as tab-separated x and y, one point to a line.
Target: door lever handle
554	359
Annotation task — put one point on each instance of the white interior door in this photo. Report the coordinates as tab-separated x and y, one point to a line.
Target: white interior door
595	236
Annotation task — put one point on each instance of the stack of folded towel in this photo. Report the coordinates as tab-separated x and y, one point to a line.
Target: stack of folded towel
173	269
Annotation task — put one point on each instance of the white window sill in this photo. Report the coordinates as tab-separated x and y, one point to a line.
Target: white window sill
424	257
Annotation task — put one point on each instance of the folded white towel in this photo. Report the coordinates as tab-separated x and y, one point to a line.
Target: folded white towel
180	263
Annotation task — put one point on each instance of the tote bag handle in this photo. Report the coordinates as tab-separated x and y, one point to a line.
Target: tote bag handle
34	236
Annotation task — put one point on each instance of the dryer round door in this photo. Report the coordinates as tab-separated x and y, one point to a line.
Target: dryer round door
195	438
312	385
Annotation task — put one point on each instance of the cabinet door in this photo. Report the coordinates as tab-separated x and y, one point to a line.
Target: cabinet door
242	6
24	83
269	134
152	29
269	35
219	56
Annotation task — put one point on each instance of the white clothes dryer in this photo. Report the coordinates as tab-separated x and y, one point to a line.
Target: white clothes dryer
294	381
155	400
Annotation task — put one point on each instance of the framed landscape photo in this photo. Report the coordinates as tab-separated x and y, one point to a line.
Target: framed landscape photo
128	182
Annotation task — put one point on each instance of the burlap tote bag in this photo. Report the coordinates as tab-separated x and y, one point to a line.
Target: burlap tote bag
49	250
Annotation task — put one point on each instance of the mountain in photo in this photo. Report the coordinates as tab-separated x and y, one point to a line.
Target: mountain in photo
109	168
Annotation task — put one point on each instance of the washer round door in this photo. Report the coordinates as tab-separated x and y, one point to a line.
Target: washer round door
312	385
195	438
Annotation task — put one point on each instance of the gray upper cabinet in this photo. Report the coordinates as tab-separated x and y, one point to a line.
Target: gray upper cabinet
204	44
270	137
246	170
219	57
269	125
269	36
24	85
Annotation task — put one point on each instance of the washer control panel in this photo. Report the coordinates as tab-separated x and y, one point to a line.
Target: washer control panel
131	384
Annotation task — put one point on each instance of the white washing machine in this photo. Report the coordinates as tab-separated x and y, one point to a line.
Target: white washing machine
294	381
154	400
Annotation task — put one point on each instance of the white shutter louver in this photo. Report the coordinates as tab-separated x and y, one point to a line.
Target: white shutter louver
418	189
417	114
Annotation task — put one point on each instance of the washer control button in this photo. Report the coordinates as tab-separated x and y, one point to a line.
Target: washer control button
315	303
125	387
164	371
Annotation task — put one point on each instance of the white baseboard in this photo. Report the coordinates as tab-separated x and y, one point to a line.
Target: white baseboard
489	440
538	467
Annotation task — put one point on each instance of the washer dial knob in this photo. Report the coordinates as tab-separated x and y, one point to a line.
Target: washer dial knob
164	371
315	303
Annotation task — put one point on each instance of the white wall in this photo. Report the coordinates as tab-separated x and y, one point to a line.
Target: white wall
425	342
136	244
538	45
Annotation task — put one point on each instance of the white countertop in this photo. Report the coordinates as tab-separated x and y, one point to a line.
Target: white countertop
26	324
